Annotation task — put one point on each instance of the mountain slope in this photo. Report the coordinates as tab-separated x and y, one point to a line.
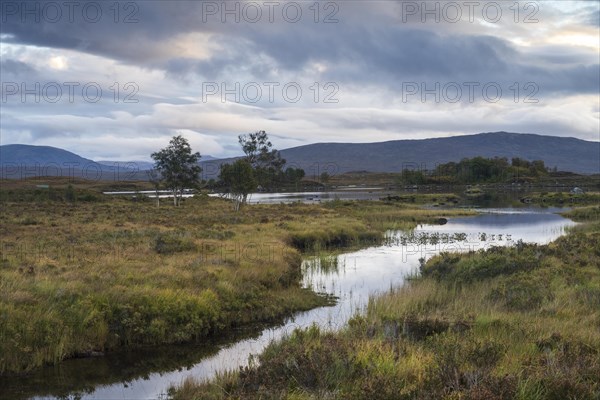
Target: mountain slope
568	154
23	154
18	161
141	165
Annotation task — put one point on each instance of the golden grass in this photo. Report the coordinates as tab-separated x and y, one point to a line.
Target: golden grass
526	333
104	273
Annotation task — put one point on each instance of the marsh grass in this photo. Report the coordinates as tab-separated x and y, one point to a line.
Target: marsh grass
565	199
508	323
81	272
323	263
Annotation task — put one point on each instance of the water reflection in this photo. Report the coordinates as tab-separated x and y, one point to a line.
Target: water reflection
352	277
377	269
315	197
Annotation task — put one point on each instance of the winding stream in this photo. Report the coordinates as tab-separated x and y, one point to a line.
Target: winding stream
352	277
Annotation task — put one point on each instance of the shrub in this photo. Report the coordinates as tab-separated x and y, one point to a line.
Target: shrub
169	243
483	264
70	194
521	293
440	266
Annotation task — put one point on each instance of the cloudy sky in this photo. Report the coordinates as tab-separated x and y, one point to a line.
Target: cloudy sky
116	80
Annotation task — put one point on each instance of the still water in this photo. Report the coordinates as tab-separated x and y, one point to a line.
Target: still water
351	277
361	193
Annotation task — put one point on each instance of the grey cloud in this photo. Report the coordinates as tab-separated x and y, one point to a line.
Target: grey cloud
365	46
561	55
16	69
368	53
593	16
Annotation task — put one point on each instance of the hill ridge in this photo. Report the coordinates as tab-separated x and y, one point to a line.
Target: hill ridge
565	153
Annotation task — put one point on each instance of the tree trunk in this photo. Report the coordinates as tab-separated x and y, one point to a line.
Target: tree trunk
237	202
175	197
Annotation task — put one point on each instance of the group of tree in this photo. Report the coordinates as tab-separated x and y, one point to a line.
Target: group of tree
260	169
177	168
477	170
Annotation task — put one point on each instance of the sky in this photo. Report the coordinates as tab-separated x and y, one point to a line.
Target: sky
116	80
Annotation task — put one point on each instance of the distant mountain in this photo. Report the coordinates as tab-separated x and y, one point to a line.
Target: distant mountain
23	154
18	161
142	165
208	158
567	154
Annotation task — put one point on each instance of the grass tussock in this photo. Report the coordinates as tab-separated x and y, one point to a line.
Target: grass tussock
582	214
508	323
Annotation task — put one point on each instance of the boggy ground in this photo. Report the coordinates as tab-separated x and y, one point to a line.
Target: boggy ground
82	273
506	323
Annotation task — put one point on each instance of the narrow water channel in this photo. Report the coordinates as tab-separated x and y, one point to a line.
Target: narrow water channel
351	277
